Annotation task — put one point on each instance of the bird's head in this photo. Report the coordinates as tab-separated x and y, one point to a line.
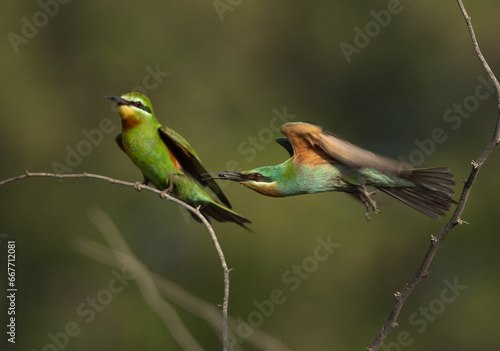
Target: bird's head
263	180
134	108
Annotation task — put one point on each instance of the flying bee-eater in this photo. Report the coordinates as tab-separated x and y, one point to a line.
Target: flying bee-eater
166	159
320	161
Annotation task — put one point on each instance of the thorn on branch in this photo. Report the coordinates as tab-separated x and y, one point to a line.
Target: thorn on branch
435	241
461	221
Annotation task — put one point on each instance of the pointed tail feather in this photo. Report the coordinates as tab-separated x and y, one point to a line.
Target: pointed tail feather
431	194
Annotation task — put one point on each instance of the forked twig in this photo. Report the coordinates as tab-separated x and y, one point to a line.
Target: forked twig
145	281
177	295
225	302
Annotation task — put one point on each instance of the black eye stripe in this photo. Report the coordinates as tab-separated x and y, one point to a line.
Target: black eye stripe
140	105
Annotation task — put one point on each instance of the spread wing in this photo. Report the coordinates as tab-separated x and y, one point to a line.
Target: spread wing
189	161
313	145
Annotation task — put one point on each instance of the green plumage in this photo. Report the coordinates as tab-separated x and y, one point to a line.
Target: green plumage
167	160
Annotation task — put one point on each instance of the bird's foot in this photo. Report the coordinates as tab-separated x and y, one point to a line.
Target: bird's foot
171	184
367	214
165	193
369	203
139	185
168	190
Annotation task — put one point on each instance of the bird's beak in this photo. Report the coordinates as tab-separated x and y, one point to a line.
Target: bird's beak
234	176
117	99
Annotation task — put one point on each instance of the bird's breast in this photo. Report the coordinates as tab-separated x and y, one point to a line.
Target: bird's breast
317	179
130	119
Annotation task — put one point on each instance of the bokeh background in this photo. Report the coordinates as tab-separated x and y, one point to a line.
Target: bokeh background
223	69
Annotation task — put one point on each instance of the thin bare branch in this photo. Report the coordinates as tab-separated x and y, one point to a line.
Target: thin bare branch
423	271
138	186
144	281
182	298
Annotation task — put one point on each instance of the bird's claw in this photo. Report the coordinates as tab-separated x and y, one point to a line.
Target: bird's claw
369	203
138	186
170	188
367	213
167	191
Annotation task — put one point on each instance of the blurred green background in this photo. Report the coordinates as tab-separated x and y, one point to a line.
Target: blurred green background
228	74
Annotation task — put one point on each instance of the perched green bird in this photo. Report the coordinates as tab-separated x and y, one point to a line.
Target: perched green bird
321	161
167	160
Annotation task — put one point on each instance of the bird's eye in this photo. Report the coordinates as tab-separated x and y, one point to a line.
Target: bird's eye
137	104
257	176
